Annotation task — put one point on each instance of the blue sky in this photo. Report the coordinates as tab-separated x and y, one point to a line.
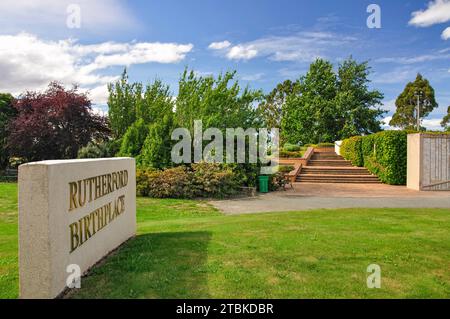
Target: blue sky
265	41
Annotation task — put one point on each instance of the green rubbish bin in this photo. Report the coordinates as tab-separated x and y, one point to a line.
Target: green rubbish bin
263	184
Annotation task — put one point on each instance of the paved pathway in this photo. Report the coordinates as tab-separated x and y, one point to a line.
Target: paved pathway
315	196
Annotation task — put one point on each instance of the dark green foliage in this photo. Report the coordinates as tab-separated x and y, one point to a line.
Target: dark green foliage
158	144
99	149
7	112
351	149
271	107
384	154
134	139
446	120
330	106
405	116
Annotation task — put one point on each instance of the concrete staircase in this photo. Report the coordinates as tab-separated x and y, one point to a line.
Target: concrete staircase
328	167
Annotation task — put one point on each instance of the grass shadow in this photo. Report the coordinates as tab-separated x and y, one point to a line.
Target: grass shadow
159	265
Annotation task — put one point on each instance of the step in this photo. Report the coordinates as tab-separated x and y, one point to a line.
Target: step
360	178
319	158
318	176
329	163
334	172
327	169
326	155
339	181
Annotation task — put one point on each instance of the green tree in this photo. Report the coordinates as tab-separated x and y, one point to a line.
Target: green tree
405	116
446	120
156	151
358	107
219	102
123	102
330	106
309	116
7	112
134	139
271	107
157	103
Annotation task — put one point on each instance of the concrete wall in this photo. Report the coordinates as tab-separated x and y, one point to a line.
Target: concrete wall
71	213
428	161
337	147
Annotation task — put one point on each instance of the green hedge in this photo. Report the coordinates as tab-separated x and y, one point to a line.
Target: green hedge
351	150
383	154
291	147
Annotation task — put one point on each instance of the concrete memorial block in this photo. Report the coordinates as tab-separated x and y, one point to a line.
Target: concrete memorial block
71	212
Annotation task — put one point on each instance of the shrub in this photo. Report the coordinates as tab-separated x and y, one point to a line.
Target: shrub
170	183
286	154
351	149
199	180
291	147
212	180
325	145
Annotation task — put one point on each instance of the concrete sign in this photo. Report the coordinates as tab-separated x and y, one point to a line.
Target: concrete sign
71	214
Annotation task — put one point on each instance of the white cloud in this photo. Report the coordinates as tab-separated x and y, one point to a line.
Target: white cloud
398	75
389	105
446	34
253	77
219	45
416	59
301	46
30	63
51	15
432	124
242	52
429	124
438	11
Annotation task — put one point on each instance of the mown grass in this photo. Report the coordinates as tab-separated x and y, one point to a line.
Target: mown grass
186	249
9	277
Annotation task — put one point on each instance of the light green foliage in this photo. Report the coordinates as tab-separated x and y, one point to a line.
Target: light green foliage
405	115
383	153
124	98
351	150
291	147
219	102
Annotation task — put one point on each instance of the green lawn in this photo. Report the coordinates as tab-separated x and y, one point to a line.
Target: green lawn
186	249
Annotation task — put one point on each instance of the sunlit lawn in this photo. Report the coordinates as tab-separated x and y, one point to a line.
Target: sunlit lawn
186	249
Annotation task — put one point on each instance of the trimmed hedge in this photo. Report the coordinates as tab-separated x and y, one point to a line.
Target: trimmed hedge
351	150
291	147
383	154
